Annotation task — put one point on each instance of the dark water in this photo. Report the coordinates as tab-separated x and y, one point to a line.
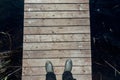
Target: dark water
105	37
11	37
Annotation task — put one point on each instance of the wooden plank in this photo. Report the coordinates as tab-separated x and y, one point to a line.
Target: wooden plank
59	77
56	38
56	1
55	22
56	7
73	14
58	70
56	30
59	46
56	62
56	54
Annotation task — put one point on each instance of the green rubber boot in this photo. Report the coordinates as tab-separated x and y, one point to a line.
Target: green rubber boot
49	66
68	65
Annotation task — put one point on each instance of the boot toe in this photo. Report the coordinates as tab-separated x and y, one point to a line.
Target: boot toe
49	67
68	65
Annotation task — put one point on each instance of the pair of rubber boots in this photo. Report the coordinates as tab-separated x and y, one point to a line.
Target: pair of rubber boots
68	66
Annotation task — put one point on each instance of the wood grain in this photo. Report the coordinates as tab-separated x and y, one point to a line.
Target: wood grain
57	62
58	70
55	7
59	77
59	46
73	14
57	38
55	22
57	30
56	54
56	1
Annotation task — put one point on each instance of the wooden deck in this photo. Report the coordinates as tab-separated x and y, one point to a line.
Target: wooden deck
56	30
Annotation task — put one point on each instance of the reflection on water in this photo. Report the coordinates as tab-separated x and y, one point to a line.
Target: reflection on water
105	32
11	38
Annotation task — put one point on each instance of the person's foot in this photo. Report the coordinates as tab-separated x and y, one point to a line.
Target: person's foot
68	65
49	66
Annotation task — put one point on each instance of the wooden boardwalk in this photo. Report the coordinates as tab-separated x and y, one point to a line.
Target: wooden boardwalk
56	30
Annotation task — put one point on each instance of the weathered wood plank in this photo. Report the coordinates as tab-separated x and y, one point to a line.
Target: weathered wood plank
56	62
56	7
56	54
56	30
55	22
56	38
60	46
56	1
59	77
58	70
73	14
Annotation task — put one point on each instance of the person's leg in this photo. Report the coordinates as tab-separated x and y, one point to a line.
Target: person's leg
67	75
50	71
50	76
